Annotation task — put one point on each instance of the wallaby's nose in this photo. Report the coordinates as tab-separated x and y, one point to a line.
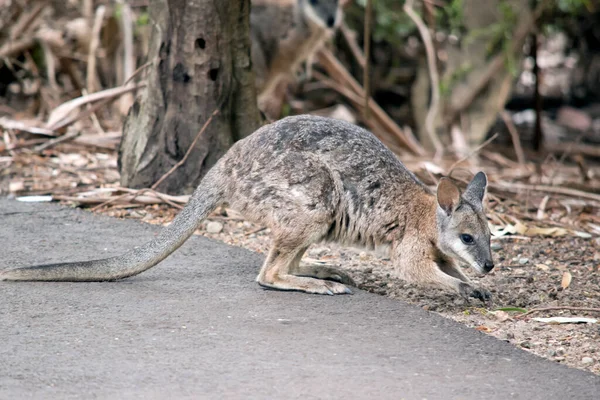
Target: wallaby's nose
330	22
488	266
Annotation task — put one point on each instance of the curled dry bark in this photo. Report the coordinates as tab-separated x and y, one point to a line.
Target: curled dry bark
201	62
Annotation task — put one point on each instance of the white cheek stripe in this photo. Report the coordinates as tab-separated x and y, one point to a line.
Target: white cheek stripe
466	256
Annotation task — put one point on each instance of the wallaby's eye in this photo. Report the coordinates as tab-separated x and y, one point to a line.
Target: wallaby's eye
467	239
314	2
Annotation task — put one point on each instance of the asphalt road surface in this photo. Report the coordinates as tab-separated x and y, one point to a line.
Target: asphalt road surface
198	326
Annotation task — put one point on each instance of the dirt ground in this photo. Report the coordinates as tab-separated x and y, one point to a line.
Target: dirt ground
528	274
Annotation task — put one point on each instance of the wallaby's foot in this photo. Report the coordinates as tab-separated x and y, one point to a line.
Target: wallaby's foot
321	271
467	291
304	284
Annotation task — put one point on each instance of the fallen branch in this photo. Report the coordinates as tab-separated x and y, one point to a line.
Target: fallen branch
472	153
514	187
514	135
434	78
58	140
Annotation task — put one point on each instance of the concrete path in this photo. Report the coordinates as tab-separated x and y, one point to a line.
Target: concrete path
198	326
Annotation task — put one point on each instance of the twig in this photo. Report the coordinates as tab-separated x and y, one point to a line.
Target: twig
126	101
586	150
514	135
497	63
50	66
82	114
122	197
474	151
350	37
137	72
255	231
568	308
60	112
357	101
367	46
58	140
94	43
515	187
342	76
23	23
20	126
538	135
433	76
15	47
341	89
93	116
188	152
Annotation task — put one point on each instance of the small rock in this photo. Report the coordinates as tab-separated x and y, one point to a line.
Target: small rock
510	335
587	360
525	344
363	256
214	227
551	353
523	260
560	351
559	358
496	246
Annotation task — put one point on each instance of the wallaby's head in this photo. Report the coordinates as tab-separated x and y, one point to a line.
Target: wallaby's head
324	13
462	225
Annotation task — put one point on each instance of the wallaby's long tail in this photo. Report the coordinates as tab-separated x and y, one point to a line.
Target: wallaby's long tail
204	199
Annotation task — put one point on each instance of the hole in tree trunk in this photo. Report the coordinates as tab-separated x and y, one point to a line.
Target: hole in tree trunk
200	43
213	74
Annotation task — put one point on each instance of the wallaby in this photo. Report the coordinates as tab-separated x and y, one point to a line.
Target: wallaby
286	33
312	179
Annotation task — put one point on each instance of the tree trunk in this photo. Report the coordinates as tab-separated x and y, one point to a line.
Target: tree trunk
200	54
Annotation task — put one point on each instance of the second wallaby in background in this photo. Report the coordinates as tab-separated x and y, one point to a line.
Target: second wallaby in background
286	33
311	179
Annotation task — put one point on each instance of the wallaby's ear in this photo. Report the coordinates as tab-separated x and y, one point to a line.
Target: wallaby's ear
475	190
448	195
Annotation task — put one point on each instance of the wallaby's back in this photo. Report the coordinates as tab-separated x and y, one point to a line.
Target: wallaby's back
303	168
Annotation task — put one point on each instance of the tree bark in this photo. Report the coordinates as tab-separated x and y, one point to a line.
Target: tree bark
200	54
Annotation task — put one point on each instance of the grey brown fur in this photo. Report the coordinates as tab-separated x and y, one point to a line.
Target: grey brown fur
312	179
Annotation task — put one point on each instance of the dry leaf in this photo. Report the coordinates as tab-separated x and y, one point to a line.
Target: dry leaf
543	267
566	279
483	328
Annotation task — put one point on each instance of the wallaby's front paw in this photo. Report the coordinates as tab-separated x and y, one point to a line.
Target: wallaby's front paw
482	294
467	291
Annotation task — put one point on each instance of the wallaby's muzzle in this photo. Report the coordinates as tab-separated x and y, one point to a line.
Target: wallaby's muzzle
488	266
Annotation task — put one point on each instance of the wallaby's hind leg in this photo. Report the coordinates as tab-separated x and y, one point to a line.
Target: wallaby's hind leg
276	273
322	272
